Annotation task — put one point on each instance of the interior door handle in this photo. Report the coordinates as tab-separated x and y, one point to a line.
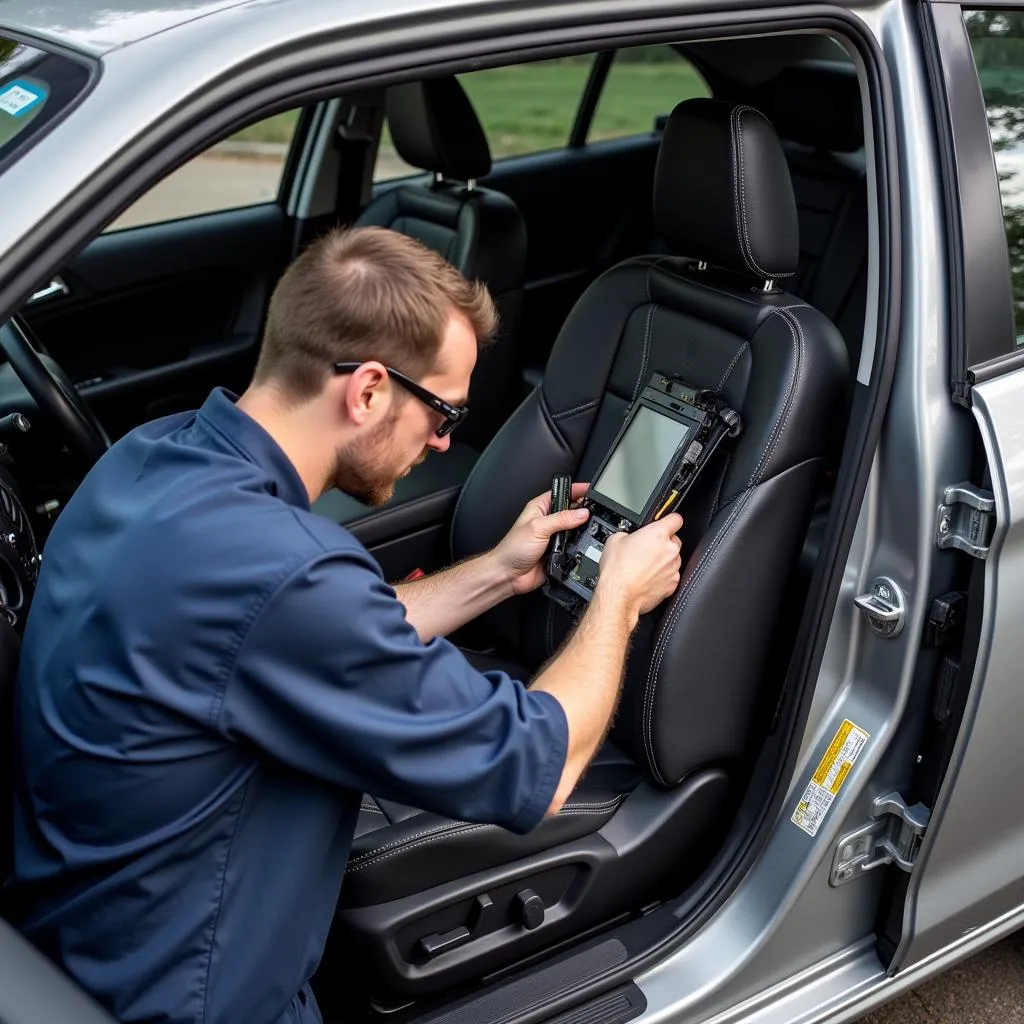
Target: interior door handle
56	287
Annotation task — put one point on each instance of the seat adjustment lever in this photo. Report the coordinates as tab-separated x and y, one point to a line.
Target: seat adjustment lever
440	942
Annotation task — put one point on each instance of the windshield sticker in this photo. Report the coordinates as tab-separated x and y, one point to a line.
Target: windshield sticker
826	782
20	97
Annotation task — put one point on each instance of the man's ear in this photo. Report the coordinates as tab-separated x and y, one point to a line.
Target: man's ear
367	392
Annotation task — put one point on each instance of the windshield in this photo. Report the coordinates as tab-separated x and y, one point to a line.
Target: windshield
36	86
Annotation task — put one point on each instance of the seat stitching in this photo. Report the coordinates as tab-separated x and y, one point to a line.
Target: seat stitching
797	337
738	195
372	808
600	805
579	408
458	831
678	603
732	365
796	388
737	129
647	350
376	856
399	842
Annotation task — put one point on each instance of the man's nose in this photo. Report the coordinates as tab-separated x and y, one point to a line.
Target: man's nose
439	444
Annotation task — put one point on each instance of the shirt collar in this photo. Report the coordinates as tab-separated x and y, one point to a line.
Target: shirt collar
243	433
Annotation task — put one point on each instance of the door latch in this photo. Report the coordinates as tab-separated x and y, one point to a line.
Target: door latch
884	607
892	837
967	520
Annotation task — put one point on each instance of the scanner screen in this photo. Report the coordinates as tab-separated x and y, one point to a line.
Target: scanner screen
642	456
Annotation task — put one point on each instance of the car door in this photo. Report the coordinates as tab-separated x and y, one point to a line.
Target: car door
967	884
169	301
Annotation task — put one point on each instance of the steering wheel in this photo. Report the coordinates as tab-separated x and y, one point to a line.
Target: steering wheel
53	392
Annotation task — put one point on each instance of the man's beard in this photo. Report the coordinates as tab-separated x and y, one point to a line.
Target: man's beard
367	471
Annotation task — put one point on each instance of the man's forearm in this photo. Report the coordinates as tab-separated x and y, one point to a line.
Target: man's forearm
586	679
440	603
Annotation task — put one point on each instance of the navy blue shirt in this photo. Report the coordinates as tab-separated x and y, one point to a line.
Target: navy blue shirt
211	676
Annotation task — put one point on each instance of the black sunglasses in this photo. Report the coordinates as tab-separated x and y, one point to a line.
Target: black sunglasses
453	414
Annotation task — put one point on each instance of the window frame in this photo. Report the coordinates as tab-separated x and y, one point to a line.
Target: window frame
982	335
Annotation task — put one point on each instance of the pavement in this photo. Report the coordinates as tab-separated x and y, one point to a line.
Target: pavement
987	989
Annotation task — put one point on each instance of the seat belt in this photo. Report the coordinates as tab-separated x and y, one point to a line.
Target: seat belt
355	142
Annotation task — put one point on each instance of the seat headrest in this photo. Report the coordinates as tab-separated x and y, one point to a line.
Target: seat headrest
817	103
722	190
434	127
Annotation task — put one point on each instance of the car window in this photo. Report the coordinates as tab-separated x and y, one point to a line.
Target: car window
643	83
528	108
35	88
243	170
997	39
525	108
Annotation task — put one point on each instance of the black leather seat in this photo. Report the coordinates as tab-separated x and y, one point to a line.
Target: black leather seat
434	127
428	901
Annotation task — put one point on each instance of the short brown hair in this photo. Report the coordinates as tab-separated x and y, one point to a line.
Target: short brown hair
364	293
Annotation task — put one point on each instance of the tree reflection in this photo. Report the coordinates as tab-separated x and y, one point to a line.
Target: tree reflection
997	39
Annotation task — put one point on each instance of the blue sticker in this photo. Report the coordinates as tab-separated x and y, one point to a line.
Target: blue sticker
19	97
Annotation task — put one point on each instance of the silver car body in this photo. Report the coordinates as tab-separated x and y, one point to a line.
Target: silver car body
786	946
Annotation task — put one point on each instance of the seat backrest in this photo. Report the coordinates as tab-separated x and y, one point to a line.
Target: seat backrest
724	198
481	231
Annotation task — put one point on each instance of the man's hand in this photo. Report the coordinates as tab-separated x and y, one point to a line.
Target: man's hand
521	553
641	569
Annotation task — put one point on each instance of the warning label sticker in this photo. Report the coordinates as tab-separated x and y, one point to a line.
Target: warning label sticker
831	773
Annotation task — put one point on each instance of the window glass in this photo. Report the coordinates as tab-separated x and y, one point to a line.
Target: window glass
997	39
35	87
243	170
528	108
643	83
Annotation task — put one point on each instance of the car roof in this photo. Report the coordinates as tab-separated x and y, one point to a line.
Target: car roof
99	26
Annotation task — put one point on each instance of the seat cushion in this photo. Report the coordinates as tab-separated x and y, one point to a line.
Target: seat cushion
399	850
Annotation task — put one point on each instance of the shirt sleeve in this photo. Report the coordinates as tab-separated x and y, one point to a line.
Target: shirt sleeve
333	680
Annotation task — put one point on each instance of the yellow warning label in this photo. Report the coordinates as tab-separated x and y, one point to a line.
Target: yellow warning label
829	777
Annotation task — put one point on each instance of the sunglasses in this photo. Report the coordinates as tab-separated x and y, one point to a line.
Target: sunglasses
453	414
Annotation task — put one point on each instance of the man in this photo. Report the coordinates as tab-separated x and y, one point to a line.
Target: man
212	674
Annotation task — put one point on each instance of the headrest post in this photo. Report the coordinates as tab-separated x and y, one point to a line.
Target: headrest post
471	184
769	286
701	265
438	178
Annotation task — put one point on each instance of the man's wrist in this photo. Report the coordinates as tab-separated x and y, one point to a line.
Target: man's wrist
617	606
496	575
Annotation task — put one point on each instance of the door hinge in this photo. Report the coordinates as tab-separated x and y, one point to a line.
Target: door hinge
967	519
892	837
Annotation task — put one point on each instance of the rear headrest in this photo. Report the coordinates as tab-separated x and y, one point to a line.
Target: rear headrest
722	190
435	128
817	103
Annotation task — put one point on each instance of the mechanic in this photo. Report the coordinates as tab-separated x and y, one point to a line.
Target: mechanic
212	674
